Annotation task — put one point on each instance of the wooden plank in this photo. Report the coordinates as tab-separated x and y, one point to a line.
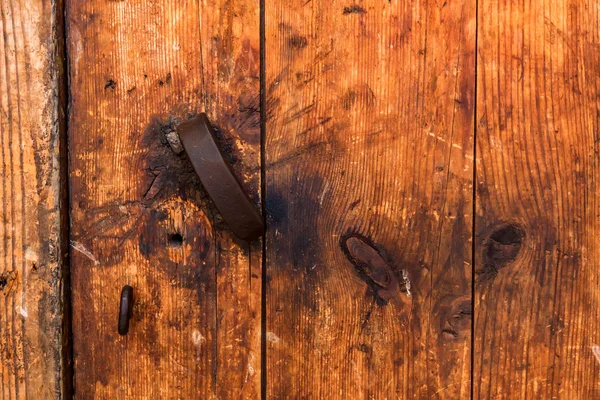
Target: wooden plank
537	255
369	156
31	204
139	214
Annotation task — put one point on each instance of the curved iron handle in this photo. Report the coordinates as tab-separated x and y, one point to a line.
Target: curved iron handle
238	211
125	308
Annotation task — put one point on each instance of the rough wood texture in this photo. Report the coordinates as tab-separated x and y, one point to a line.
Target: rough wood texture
369	156
537	254
30	201
139	214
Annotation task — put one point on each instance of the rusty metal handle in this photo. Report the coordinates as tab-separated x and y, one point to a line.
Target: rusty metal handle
238	211
125	308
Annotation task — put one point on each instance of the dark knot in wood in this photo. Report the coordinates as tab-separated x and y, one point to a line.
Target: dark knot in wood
500	248
371	267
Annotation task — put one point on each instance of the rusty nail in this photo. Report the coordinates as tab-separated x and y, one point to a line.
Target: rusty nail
125	309
174	141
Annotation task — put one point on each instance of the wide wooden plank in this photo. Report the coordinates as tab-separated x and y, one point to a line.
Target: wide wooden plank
538	211
31	204
139	214
369	156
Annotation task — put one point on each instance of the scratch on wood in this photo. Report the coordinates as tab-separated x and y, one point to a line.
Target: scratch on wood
83	250
596	352
273	338
323	193
197	338
22	311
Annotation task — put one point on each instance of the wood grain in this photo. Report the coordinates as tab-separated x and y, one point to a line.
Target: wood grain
369	166
31	207
537	254
139	214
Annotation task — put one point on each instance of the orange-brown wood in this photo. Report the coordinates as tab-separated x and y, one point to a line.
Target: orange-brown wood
139	214
369	166
369	149
31	205
538	211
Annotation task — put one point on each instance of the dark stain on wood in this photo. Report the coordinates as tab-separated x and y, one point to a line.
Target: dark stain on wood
289	214
110	85
298	42
354	9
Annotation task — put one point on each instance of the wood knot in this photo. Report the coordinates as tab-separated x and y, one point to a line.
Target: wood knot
372	268
458	318
500	248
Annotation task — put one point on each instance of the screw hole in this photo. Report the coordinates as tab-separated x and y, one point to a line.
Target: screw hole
175	240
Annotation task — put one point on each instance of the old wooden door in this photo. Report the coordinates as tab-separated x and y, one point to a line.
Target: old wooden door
427	171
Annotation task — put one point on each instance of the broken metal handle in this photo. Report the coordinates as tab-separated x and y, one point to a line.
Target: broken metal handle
238	211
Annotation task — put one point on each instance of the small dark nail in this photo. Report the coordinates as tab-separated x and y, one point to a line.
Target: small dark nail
125	309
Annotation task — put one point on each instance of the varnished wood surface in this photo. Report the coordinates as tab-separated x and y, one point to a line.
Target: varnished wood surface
31	252
369	157
139	214
538	211
379	115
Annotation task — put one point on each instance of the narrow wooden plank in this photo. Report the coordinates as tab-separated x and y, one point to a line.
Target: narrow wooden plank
139	214
31	259
537	254
369	160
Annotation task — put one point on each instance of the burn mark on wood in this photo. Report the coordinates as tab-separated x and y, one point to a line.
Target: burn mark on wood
360	95
297	41
110	85
291	213
162	233
276	208
349	99
227	146
372	268
364	348
6	279
354	9
500	247
167	80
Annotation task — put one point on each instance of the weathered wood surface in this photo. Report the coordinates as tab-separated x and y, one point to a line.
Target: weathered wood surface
369	157
139	214
31	260
538	212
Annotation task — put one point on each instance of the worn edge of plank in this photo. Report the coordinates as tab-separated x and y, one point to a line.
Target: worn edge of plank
49	374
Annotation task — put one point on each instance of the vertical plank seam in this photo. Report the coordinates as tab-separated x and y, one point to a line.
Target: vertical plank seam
61	65
263	185
474	202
